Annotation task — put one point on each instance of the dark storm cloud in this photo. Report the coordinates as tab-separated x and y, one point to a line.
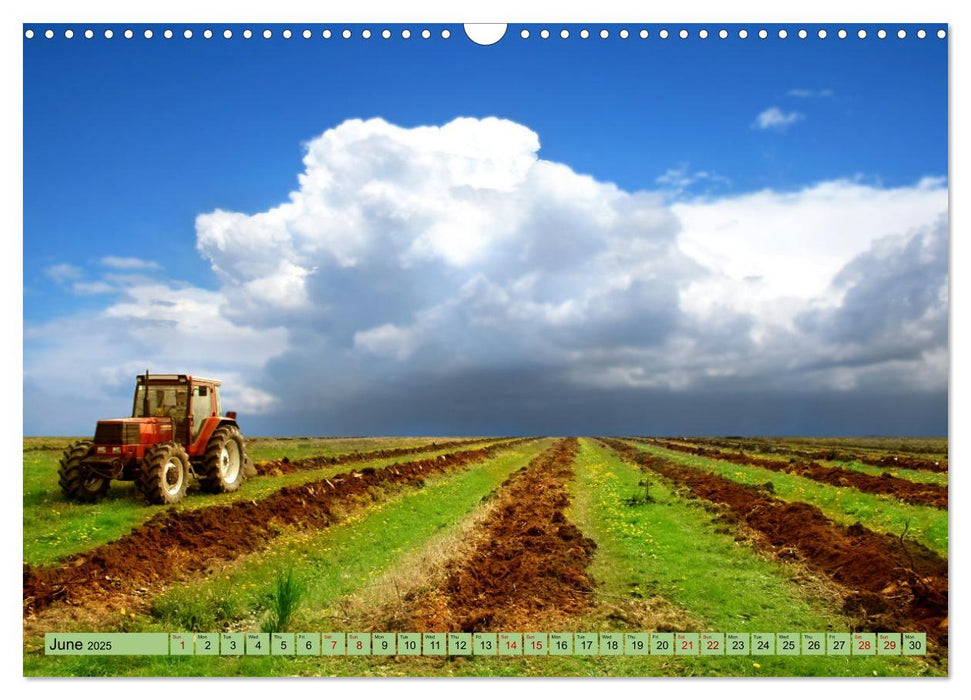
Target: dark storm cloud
533	400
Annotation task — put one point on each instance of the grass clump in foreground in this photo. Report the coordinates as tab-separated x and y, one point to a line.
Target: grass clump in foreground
286	596
842	504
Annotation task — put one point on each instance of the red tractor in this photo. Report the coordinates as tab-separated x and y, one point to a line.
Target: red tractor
176	432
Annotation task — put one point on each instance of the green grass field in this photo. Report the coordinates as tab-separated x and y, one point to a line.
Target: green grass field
844	505
664	564
55	528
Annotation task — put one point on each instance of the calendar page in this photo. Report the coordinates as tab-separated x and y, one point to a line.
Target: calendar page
550	349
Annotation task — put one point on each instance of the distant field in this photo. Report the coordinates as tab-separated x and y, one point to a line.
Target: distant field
931	446
492	534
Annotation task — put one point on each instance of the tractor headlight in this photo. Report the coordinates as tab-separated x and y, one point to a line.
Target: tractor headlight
101	450
116	450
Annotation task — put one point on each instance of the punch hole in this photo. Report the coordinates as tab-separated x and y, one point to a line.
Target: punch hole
386	34
346	33
803	33
366	34
722	33
545	34
306	34
921	34
327	34
49	34
941	34
109	34
861	33
148	34
841	33
405	33
29	34
227	34
882	34
763	34
524	34
207	34
902	34
425	34
267	33
783	33
624	33
683	34
743	34
584	33
168	34
644	34
446	34
88	34
564	34
663	33
487	34
287	34
604	33
703	34
821	33
129	33
68	33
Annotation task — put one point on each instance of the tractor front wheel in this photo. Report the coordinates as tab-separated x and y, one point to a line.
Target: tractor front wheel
75	479
222	467
165	474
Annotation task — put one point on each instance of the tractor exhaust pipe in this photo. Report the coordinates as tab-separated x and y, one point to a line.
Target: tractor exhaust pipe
145	396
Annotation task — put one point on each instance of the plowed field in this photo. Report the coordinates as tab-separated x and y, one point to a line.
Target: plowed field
504	535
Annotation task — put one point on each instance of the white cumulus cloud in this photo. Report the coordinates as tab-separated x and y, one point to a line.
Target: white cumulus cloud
418	260
775	119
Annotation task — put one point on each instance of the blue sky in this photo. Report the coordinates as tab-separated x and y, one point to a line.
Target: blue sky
127	142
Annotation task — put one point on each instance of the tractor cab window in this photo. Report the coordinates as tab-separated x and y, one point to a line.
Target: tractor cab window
164	401
201	407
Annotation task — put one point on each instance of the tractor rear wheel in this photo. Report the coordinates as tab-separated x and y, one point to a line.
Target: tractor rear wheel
222	467
75	479
165	474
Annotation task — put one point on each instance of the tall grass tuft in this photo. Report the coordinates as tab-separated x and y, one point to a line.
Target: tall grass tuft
285	598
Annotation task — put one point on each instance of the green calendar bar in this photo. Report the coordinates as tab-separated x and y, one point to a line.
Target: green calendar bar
333	644
637	644
712	643
106	644
485	643
207	644
409	644
813	643
561	643
308	644
458	644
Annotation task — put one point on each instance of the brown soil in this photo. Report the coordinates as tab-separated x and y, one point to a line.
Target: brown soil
278	467
177	542
831	454
902	489
893	584
528	565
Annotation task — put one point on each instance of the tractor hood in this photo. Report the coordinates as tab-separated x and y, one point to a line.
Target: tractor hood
133	431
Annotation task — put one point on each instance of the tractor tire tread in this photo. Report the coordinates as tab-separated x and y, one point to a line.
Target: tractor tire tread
209	473
70	474
149	481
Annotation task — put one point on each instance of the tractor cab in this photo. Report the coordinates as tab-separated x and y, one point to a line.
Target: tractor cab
185	400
